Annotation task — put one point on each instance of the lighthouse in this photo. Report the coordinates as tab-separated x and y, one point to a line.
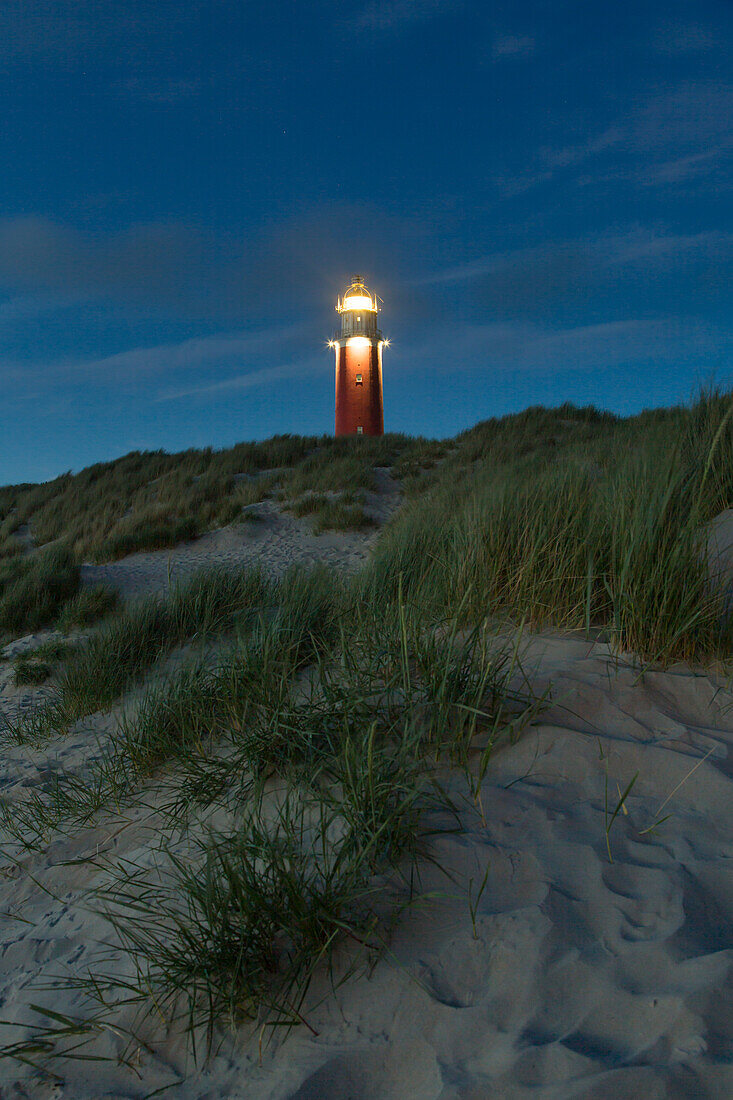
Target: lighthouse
359	409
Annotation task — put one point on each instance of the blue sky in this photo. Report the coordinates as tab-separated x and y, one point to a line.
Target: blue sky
540	191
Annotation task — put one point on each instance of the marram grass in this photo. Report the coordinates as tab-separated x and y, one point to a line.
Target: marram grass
152	500
607	533
347	699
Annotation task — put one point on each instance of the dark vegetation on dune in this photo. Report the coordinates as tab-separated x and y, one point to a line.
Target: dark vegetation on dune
43	590
317	714
566	516
33	591
153	500
579	519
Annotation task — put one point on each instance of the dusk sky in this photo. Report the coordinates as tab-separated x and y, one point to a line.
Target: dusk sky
539	190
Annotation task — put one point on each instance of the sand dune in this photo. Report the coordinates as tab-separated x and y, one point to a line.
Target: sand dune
583	977
276	541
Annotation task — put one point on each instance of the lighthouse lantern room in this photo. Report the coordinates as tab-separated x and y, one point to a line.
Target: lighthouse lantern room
359	409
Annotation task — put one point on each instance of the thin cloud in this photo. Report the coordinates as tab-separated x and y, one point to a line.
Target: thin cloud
569	155
152	366
506	265
24	308
145	260
512	45
638	245
692	114
68	33
683	169
675	135
530	347
261	377
290	265
647	247
390	15
646	265
672	39
192	355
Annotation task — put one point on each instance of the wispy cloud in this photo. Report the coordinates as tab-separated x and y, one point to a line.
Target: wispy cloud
390	15
543	349
512	46
655	248
650	266
29	28
147	259
263	376
24	308
675	135
685	169
674	38
193	354
567	156
224	359
691	114
176	267
607	344
636	246
71	32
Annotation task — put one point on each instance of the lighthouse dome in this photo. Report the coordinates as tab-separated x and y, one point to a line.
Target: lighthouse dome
357	297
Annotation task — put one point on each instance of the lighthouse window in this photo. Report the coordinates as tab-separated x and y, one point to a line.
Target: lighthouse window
358	379
360	430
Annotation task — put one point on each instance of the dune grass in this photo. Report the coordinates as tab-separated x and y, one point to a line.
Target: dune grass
293	622
350	717
575	519
9	548
43	590
248	918
33	590
119	654
150	529
349	710
34	666
87	607
337	515
569	517
332	513
152	500
321	724
323	472
33	672
602	536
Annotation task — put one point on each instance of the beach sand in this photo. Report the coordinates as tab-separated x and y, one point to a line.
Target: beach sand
575	975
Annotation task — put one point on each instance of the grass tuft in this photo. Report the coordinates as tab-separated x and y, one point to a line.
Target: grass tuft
33	590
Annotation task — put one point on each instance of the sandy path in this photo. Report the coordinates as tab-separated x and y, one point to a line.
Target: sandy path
585	978
275	541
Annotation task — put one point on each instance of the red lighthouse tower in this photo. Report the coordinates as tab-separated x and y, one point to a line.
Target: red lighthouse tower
359	409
